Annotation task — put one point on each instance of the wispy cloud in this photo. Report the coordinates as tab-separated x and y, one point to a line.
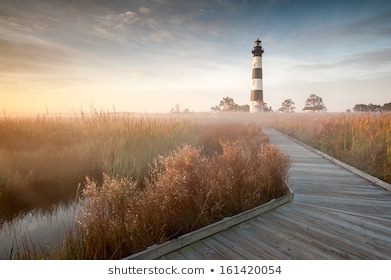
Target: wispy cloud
347	35
368	61
34	16
19	57
368	27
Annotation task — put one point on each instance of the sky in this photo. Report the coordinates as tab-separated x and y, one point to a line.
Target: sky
147	56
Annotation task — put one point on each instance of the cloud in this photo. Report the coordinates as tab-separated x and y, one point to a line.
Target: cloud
19	57
349	35
365	61
38	16
119	21
153	26
368	61
144	11
369	27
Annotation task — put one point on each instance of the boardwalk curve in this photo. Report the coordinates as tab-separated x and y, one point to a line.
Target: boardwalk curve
335	214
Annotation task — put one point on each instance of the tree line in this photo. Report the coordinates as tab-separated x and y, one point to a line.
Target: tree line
313	103
372	107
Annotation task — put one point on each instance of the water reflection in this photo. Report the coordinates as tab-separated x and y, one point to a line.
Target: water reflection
38	230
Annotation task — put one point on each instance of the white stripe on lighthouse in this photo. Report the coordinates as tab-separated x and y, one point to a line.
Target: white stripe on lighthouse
257	62
256	85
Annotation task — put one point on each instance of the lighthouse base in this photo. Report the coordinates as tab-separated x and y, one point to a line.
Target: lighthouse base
256	107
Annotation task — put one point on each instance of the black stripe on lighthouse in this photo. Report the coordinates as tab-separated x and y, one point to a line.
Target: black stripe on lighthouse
257	73
256	94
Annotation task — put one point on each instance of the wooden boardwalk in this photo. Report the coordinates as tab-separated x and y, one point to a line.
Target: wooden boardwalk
335	214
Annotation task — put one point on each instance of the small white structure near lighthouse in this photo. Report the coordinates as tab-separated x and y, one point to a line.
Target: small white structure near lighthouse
256	101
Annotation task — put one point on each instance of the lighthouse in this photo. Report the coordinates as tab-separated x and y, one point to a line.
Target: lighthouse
256	101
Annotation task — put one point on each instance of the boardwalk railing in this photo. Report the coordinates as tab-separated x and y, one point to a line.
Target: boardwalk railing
156	251
360	173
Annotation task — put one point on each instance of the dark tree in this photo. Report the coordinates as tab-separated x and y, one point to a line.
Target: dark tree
360	108
227	104
386	107
244	108
288	106
215	109
374	107
368	108
314	103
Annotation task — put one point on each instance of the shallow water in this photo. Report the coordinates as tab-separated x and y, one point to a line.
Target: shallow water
41	231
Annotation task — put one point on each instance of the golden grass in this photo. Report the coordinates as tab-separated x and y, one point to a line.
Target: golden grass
43	160
362	140
141	180
185	190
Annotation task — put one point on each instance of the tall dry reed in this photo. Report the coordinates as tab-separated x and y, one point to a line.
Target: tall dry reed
44	160
362	140
185	190
148	179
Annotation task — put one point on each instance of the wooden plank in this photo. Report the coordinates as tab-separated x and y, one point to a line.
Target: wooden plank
176	255
205	250
370	178
224	250
259	244
337	233
280	239
189	253
249	244
182	241
238	244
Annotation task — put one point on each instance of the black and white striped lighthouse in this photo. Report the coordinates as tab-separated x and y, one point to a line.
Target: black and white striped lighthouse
256	102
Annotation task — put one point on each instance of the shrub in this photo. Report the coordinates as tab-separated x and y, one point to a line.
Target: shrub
185	190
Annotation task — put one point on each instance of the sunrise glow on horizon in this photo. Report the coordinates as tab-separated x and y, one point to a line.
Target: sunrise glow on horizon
148	56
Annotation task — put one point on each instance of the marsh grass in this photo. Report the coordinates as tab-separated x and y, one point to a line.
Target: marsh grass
139	181
44	160
24	248
362	140
184	191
